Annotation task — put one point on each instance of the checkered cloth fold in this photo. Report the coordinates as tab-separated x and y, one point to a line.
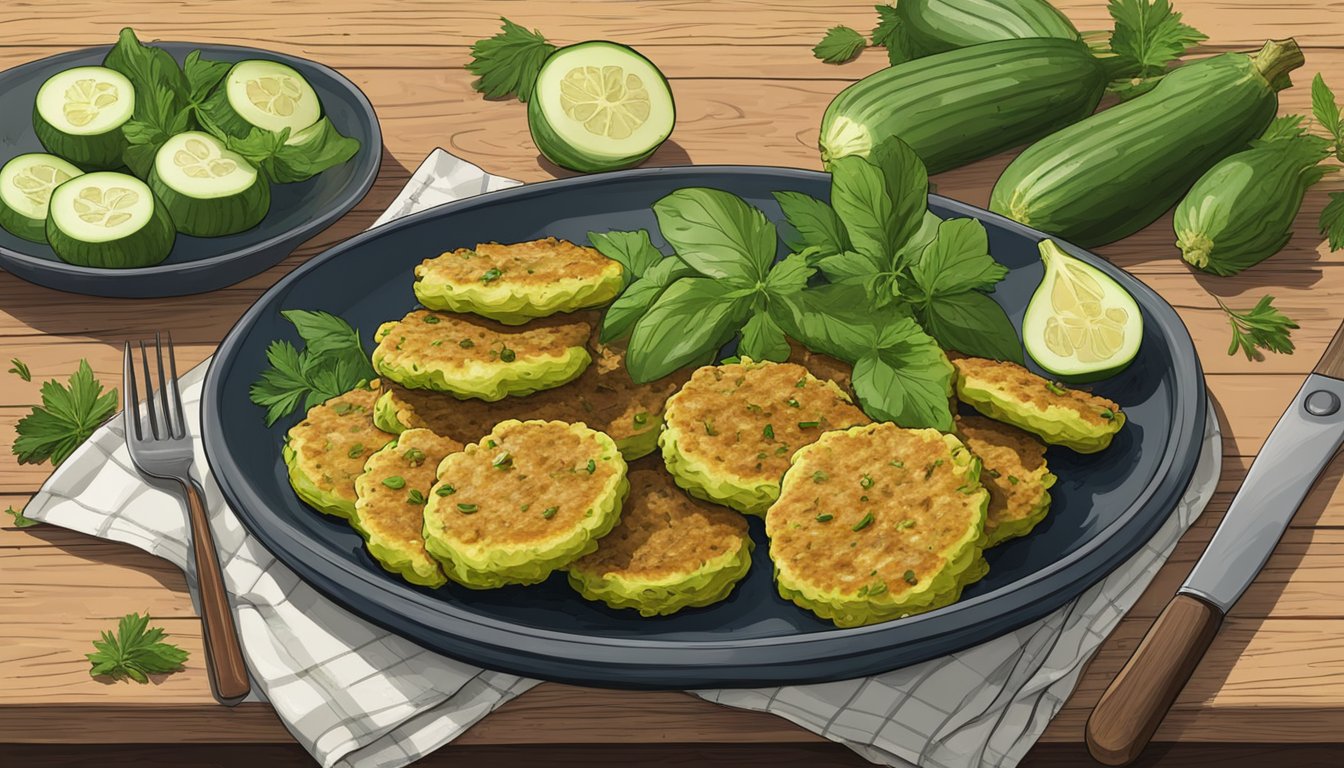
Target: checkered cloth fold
355	695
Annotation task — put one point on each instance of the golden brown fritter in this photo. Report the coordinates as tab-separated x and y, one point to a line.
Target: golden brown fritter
1014	472
326	451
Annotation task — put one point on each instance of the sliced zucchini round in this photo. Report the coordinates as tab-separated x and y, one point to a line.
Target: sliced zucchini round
599	106
26	183
1080	324
108	219
78	115
263	94
208	190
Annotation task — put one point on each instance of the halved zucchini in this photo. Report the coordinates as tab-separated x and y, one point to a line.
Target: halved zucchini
208	190
108	220
78	115
599	106
26	183
263	94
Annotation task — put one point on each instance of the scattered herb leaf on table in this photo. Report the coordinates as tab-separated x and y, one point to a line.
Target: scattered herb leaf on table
67	417
839	45
20	369
135	651
508	63
1263	327
19	520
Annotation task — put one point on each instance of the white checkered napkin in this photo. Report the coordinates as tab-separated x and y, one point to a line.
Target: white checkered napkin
355	695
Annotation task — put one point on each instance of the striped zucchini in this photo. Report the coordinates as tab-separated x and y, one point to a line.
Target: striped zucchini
958	106
933	26
1116	172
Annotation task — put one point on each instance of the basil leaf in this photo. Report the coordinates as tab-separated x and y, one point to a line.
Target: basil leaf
833	319
664	340
973	324
157	118
639	296
848	267
789	276
957	261
815	223
633	250
148	68
717	233
762	339
907	381
907	184
201	76
859	195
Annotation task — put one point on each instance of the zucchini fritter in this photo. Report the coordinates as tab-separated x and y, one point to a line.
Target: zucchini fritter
326	451
878	522
1009	393
1013	471
517	282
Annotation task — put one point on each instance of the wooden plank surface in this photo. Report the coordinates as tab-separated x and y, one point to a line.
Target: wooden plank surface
748	91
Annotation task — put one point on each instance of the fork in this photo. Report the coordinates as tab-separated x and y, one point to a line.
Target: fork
164	450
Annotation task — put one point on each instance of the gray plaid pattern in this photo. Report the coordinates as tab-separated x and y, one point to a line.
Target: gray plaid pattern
355	695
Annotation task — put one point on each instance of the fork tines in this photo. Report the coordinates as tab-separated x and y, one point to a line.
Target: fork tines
174	425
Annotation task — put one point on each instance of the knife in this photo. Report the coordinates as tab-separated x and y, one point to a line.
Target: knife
1294	455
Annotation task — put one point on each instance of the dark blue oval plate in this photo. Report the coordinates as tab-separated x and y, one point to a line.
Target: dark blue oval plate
1106	505
199	264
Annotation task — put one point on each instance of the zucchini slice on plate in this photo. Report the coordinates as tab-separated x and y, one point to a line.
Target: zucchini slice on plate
208	190
108	220
78	115
599	106
26	183
263	94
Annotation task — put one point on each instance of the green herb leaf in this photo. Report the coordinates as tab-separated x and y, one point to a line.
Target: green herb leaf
591	466
508	63
20	369
549	512
286	158
859	195
1149	35
762	339
1325	109
890	34
19	520
663	341
1285	128
466	509
159	115
1332	221
414	496
789	275
973	324
641	294
332	363
135	651
395	482
816	224
717	233
67	417
201	76
907	380
825	517
632	250
957	261
907	183
444	490
147	67
840	44
1260	328
864	522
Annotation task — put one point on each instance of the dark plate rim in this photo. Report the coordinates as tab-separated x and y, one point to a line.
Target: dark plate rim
530	650
367	173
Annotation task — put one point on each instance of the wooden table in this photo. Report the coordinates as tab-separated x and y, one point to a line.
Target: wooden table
748	91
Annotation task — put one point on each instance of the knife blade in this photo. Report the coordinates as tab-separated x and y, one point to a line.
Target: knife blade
1302	443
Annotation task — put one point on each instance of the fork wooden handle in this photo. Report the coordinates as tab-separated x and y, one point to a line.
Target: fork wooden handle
1133	706
223	653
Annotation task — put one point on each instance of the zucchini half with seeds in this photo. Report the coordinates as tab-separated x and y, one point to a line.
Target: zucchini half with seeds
78	115
108	219
258	93
208	190
26	183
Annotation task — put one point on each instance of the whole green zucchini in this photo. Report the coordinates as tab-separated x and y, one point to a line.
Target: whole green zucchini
1241	212
958	106
933	26
1117	171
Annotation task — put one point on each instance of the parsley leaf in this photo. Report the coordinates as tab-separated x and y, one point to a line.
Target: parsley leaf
135	651
717	233
890	34
508	63
1326	111
840	44
1332	221
1286	128
19	520
20	369
332	363
633	250
68	415
1261	327
1149	35
817	226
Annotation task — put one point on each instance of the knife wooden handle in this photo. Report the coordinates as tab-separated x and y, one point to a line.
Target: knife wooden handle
1136	701
1332	362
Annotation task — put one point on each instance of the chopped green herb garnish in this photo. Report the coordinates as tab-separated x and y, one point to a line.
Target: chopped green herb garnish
910	578
761	455
524	507
1013	480
709	428
877	589
549	512
809	424
1107	414
907	523
491	275
864	523
781	450
1055	387
507	355
994	473
866	481
641	419
394	482
825	517
436	343
730	360
343	408
928	471
414	455
415	497
592	466
801	383
754	408
968	488
466	509
491	444
792	402
466	343
445	490
863	591
897	463
432	319
863	498
503	460
20	369
768	432
356	450
820	477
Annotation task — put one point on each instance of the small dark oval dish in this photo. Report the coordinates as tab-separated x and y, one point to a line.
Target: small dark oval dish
198	264
1106	505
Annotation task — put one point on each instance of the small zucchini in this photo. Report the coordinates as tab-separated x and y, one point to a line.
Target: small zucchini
206	189
1241	212
258	93
1114	173
961	105
78	115
934	26
26	183
108	219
